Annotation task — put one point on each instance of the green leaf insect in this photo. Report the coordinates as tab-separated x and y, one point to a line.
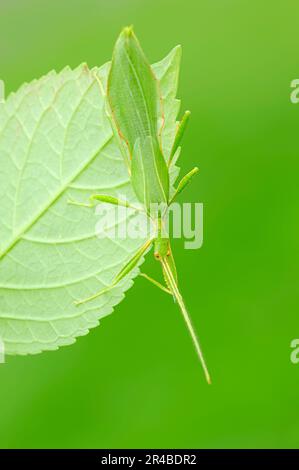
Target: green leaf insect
133	93
63	137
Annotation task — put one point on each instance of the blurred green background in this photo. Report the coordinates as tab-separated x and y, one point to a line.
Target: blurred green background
135	381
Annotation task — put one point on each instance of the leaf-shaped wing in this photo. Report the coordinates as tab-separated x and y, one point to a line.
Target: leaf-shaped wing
132	91
149	173
134	99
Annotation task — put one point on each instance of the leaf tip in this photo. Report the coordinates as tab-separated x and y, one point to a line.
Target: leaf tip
128	31
177	51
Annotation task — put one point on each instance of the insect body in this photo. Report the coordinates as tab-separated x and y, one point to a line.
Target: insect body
133	95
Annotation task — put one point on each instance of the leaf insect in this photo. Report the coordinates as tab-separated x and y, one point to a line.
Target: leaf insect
133	94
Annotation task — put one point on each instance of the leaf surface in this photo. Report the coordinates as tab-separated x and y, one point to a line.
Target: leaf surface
2	91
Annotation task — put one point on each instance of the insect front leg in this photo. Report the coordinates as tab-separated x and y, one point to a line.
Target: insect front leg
179	134
105	199
183	183
129	266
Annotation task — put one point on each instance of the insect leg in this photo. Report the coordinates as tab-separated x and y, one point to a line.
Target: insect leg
179	135
156	283
183	183
80	204
129	266
106	199
176	293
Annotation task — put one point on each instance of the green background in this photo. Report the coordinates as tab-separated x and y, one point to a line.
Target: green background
135	381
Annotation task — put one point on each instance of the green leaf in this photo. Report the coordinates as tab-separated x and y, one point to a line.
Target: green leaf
2	91
50	254
56	144
167	74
